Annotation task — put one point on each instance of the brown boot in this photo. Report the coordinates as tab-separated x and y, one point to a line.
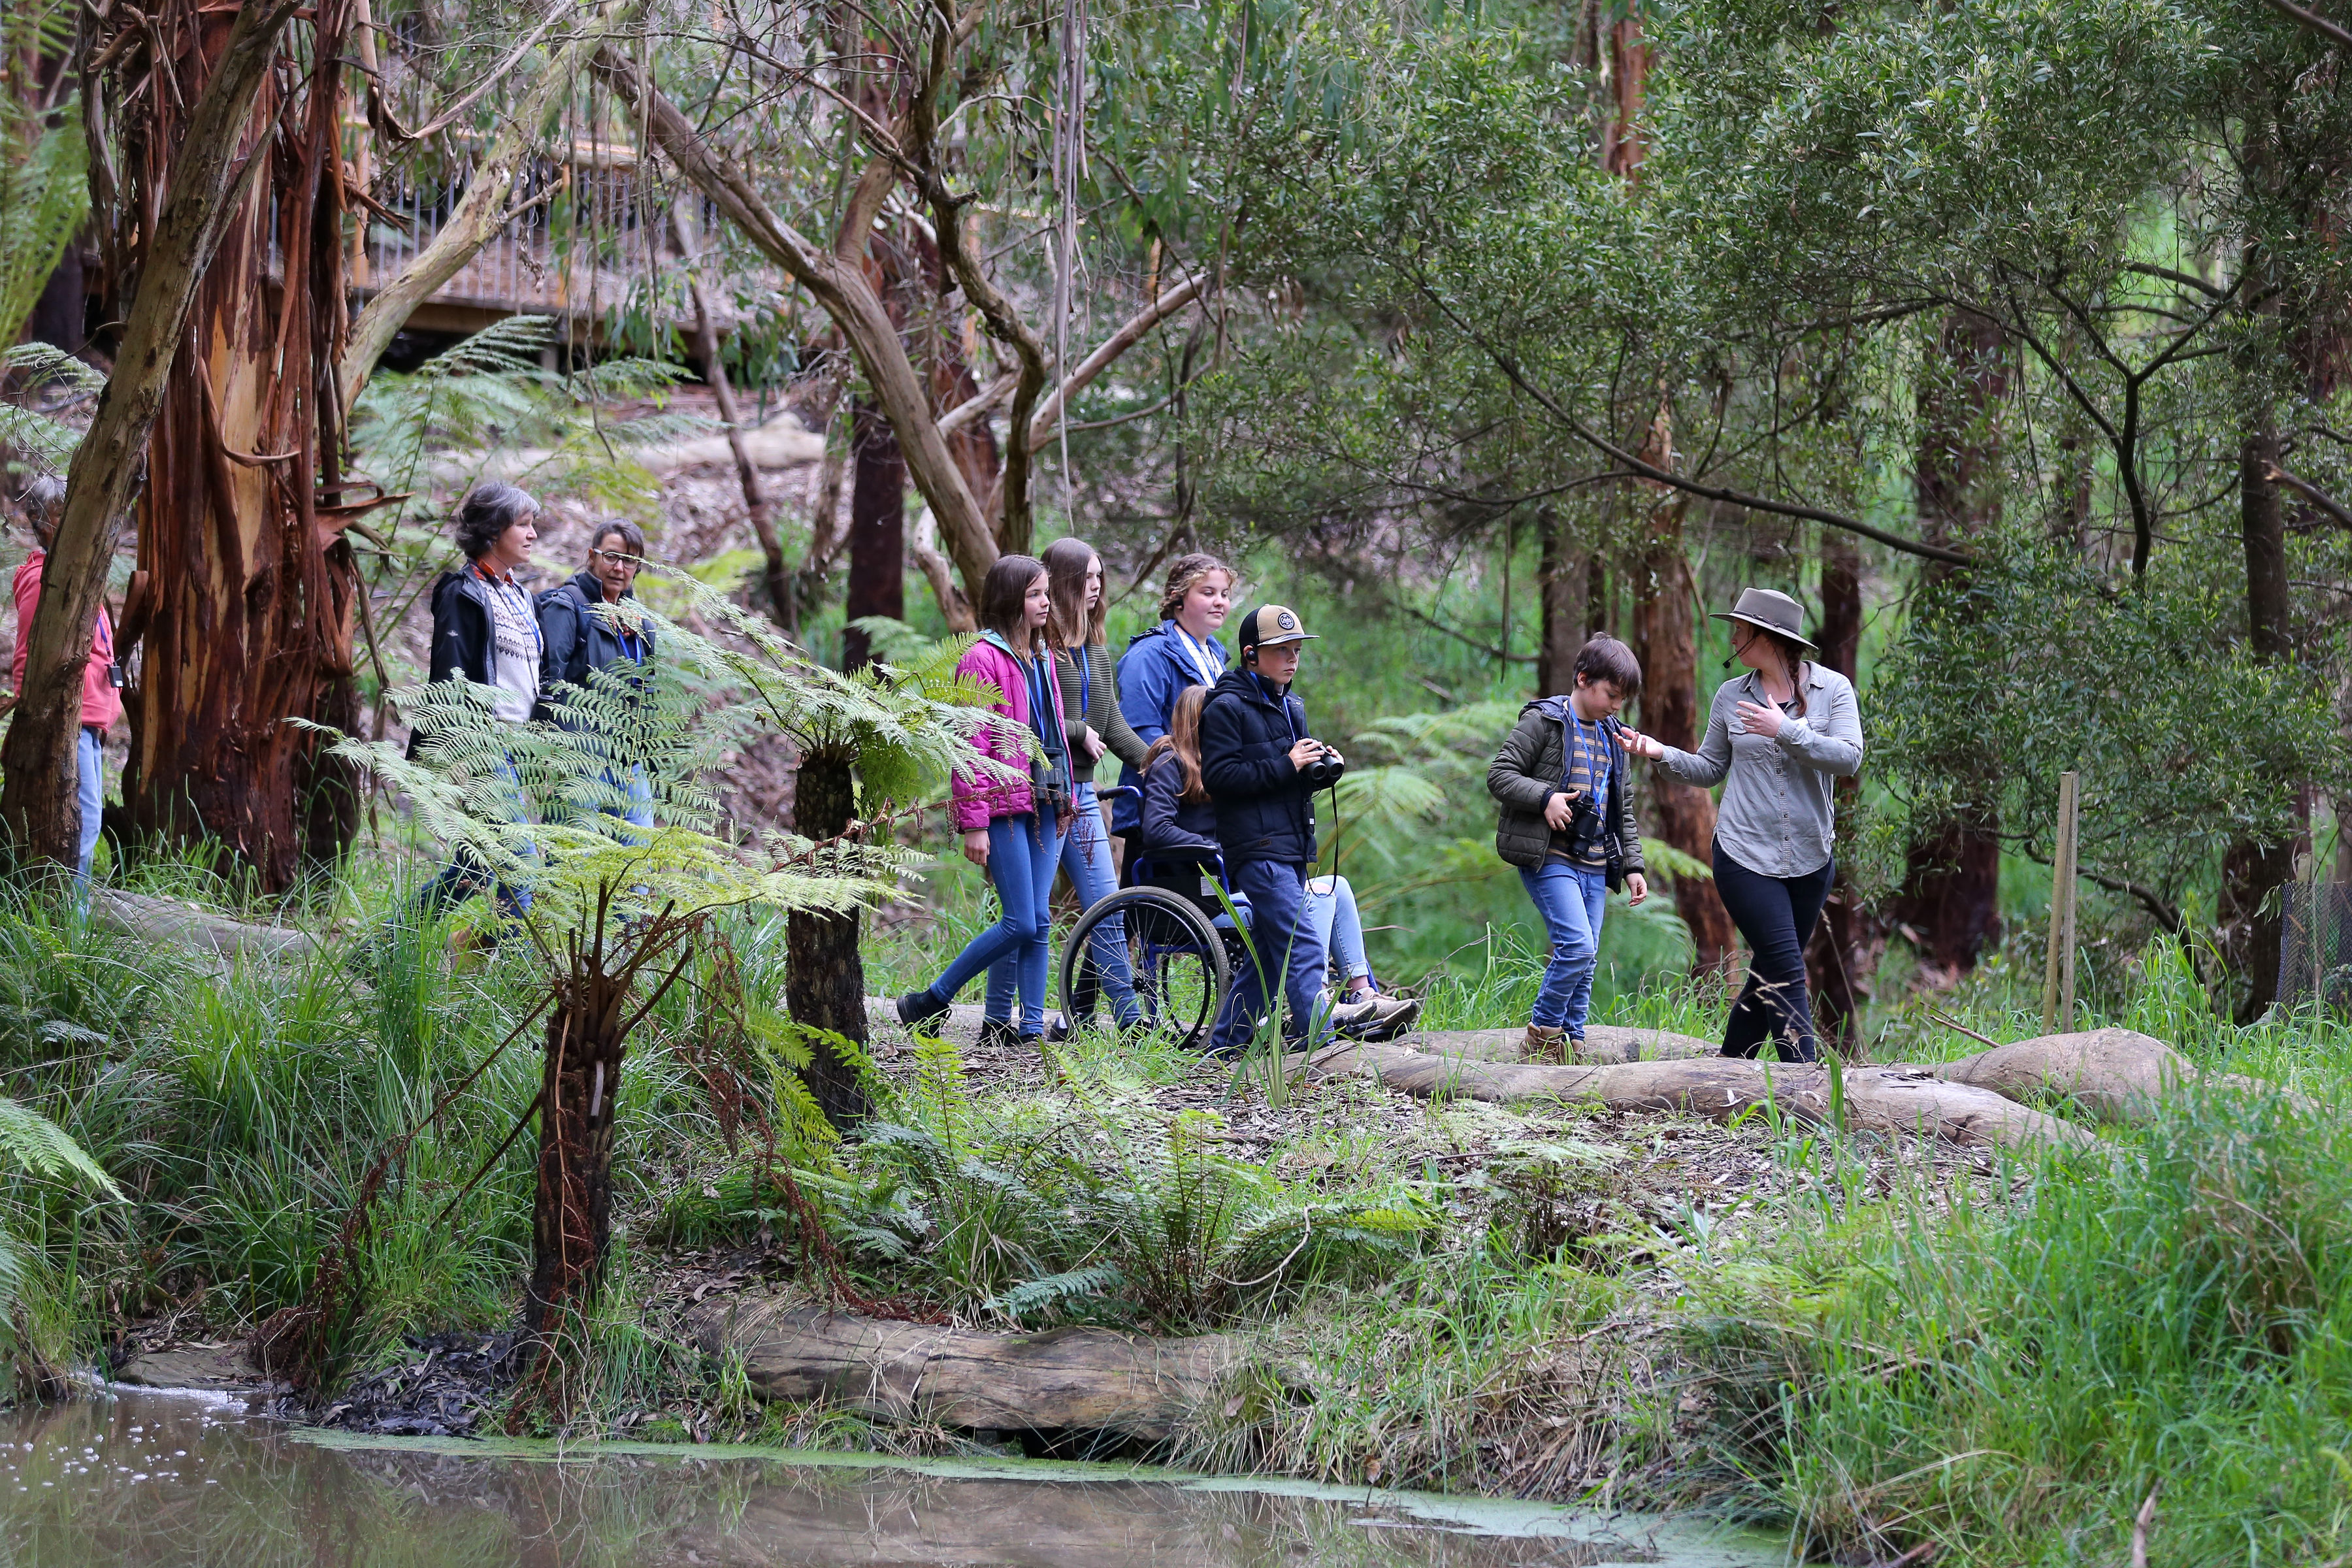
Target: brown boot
1543	1045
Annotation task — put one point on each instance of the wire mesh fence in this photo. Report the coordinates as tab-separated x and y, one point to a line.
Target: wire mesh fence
2316	944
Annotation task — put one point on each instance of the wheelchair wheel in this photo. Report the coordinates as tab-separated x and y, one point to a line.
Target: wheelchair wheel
1177	960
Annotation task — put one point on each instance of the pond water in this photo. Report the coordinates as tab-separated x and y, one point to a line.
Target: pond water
147	1480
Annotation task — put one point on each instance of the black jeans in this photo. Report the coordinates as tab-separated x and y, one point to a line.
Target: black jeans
1775	914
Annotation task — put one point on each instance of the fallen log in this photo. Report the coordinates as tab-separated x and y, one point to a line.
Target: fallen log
1069	1380
2110	1075
1603	1043
184	925
1876	1099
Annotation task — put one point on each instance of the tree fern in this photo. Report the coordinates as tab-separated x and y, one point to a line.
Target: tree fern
44	197
48	443
39	1147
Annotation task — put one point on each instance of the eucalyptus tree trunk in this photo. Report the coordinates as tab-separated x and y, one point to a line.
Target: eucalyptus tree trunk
1560	607
249	588
877	531
1833	959
1665	638
1950	899
2254	872
186	207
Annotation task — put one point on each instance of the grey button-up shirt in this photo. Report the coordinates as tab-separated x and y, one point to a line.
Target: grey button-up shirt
1776	816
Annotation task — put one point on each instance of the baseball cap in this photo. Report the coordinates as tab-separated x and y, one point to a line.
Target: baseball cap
1271	626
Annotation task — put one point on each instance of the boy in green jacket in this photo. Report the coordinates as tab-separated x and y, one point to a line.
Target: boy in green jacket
1566	821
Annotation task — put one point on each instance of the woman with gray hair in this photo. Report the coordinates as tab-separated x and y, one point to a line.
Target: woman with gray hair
1782	735
484	631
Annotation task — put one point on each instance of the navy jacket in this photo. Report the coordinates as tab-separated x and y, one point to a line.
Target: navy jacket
1173	828
1264	806
1152	673
574	639
461	634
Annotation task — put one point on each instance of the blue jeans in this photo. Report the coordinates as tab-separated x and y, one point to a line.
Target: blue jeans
1086	860
466	874
1288	946
1330	909
89	762
1022	854
1572	900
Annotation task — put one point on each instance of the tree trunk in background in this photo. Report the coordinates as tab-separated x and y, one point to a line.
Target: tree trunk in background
1665	640
1949	906
1559	594
824	978
1834	958
878	535
60	314
250	587
2252	872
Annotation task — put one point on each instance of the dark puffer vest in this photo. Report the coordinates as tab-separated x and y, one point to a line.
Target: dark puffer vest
1527	772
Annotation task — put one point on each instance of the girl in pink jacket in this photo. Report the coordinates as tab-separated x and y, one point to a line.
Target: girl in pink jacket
1012	827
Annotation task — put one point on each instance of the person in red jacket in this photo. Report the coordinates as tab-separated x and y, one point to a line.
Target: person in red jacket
102	680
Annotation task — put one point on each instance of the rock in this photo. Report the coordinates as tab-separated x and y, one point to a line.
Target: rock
216	1368
1068	1380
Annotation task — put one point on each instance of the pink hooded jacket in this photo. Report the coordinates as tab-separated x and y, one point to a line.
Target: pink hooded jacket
979	801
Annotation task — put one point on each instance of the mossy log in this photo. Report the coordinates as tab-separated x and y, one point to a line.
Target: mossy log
1069	1380
1877	1100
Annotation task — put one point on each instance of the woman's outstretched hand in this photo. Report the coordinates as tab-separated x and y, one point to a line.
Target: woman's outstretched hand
1762	720
1638	743
975	848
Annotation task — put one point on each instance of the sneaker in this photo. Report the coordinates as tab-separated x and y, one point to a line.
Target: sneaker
1057	1028
1391	1017
1544	1044
996	1034
917	1009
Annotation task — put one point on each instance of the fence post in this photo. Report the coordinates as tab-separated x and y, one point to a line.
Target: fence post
2058	979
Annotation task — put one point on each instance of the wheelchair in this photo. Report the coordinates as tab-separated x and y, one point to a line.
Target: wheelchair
1181	961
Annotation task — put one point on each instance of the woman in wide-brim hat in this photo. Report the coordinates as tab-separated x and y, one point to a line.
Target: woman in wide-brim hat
1780	733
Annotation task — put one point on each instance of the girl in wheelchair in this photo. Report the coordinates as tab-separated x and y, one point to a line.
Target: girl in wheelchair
1178	850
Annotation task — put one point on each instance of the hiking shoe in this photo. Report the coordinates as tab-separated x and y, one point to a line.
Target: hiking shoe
1544	1044
917	1009
1388	1017
996	1034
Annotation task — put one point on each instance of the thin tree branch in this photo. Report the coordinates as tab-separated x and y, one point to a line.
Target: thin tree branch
2312	20
2310	493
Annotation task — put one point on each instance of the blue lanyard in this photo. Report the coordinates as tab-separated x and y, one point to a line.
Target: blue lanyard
1593	752
1085	683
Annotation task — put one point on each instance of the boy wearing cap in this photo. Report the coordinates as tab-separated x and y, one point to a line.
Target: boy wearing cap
1262	769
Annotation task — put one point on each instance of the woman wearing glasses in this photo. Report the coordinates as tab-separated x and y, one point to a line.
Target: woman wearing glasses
592	622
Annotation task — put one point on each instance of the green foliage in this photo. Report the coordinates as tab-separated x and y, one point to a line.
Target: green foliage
2185	740
46	441
2012	1383
1036	1214
436	427
44	197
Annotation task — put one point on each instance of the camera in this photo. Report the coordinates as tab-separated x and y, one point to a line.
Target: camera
1325	770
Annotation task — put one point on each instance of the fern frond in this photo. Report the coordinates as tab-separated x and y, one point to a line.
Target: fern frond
39	1145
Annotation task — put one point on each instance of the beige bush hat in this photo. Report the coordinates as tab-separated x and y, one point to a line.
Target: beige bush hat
1770	609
